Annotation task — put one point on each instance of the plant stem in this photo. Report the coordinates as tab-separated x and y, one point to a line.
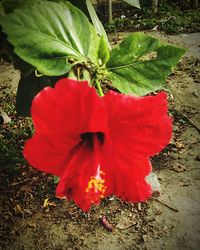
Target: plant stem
100	91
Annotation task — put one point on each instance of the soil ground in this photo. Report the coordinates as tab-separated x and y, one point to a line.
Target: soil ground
31	218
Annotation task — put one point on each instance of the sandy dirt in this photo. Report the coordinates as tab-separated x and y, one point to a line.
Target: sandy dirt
31	218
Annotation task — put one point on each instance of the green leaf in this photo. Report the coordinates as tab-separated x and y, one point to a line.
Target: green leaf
93	50
103	52
140	64
96	22
56	179
48	34
135	3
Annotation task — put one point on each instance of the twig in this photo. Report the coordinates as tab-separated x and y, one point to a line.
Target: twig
165	204
20	182
181	104
188	119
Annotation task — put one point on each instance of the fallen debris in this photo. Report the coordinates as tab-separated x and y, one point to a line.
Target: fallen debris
126	222
179	168
106	224
4	118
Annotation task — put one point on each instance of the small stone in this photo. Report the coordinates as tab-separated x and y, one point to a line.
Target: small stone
158	211
179	144
145	238
139	207
195	94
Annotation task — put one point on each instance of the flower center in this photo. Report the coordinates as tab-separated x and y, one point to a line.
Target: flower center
95	187
88	138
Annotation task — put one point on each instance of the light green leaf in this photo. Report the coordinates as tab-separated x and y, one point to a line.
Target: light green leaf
93	50
48	34
103	52
56	180
140	64
135	3
96	22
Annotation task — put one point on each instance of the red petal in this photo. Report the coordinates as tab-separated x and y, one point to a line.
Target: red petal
60	115
138	126
49	154
125	174
84	180
72	107
120	175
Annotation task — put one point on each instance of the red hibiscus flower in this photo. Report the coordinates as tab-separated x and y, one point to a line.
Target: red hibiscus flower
98	146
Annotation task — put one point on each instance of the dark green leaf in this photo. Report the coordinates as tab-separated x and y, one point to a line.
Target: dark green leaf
46	35
140	64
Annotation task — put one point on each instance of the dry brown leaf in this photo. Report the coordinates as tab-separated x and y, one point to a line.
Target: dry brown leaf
5	117
126	222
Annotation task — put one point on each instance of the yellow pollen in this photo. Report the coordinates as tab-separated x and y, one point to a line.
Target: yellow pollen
97	185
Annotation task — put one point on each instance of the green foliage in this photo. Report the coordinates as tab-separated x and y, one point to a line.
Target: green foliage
103	52
140	64
12	136
170	19
188	21
45	36
56	40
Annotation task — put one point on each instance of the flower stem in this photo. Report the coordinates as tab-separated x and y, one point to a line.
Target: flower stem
100	91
